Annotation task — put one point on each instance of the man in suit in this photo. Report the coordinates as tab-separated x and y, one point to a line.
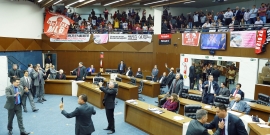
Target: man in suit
176	87
139	73
196	127
155	73
211	89
13	104
129	72
14	72
266	70
80	72
215	73
39	82
109	103
170	75
84	124
192	76
61	75
121	67
30	68
233	124
199	85
91	69
239	105
178	71
237	90
48	60
223	90
162	80
237	14
26	83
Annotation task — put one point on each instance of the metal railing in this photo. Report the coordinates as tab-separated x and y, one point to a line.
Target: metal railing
12	60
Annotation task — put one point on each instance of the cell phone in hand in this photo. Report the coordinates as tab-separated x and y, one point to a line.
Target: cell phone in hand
62	100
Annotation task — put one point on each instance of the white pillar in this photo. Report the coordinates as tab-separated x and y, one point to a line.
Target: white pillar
157	19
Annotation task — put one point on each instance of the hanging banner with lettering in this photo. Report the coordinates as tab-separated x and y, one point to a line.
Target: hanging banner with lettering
191	39
100	38
244	39
74	38
164	39
56	26
261	36
130	38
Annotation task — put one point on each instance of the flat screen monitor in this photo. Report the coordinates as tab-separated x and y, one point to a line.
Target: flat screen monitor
213	41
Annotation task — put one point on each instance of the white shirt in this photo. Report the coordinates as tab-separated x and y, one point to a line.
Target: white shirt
226	124
196	18
160	81
258	22
228	14
246	16
127	72
206	25
211	88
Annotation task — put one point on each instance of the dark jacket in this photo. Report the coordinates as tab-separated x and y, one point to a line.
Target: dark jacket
170	76
239	92
178	87
235	125
124	67
164	80
84	124
196	128
192	72
82	74
215	87
224	92
130	73
216	74
63	77
13	72
109	97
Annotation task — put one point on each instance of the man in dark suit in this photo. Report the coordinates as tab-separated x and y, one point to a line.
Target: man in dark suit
215	73
239	105
109	103
196	127
162	80
84	124
129	72
80	72
237	90
139	73
13	104
39	82
223	90
155	73
61	75
211	89
233	124
26	83
14	72
170	75
237	14
121	67
192	76
176	87
48	60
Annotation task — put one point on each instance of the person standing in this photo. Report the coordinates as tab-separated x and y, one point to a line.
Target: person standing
14	72
253	14
262	12
215	73
48	60
26	83
84	124
192	76
170	76
13	104
30	68
211	89
228	16
39	83
80	72
121	67
109	103
155	73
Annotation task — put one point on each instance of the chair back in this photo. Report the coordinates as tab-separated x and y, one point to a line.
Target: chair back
118	79
184	93
132	81
139	76
263	99
108	70
149	78
195	97
114	71
140	88
178	108
222	100
190	110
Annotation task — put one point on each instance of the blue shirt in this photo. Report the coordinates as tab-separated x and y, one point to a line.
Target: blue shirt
19	98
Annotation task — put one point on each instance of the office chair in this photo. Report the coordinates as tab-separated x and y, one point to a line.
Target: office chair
132	81
108	70
114	71
149	78
263	99
195	97
139	76
222	100
96	80
184	93
140	89
161	89
190	110
118	79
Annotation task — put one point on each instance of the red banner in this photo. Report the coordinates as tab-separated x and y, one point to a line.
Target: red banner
261	37
191	39
56	26
164	36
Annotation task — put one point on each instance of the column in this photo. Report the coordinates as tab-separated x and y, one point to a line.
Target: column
157	19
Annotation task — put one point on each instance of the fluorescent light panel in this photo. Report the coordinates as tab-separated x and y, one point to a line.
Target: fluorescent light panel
155	2
57	2
85	3
39	1
112	2
75	2
189	2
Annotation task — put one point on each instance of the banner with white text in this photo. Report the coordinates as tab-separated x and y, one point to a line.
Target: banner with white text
130	38
74	38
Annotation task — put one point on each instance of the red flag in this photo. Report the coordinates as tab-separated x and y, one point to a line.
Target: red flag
56	25
260	41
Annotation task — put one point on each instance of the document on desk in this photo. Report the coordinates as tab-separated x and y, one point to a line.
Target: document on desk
131	101
263	125
234	113
178	118
208	106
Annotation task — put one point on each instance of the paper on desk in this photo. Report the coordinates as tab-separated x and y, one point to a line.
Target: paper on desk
144	80
130	101
178	118
263	126
158	112
234	113
153	109
208	106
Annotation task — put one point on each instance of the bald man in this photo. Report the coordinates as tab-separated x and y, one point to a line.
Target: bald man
61	75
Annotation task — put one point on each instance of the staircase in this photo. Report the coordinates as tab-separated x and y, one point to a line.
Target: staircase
12	60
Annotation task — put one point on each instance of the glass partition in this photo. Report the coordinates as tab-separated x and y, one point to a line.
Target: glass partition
264	71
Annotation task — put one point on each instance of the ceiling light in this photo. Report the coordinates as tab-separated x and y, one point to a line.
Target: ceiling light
85	3
39	1
72	3
189	2
112	2
57	2
155	2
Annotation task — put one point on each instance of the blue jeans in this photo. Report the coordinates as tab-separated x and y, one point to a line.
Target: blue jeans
263	18
248	21
190	24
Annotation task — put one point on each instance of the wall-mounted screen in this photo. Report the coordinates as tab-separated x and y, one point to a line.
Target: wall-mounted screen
216	41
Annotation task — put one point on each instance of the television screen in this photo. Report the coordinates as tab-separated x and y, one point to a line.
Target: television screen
215	41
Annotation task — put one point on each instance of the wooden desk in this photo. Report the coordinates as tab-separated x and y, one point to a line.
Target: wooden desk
261	110
151	123
127	91
151	89
261	88
256	130
196	92
59	87
95	96
73	77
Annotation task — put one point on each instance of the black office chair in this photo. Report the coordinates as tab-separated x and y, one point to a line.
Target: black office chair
108	70
89	73
184	93
195	97
118	79
132	81
263	99
149	78
114	71
190	110
139	76
96	80
222	100
140	90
